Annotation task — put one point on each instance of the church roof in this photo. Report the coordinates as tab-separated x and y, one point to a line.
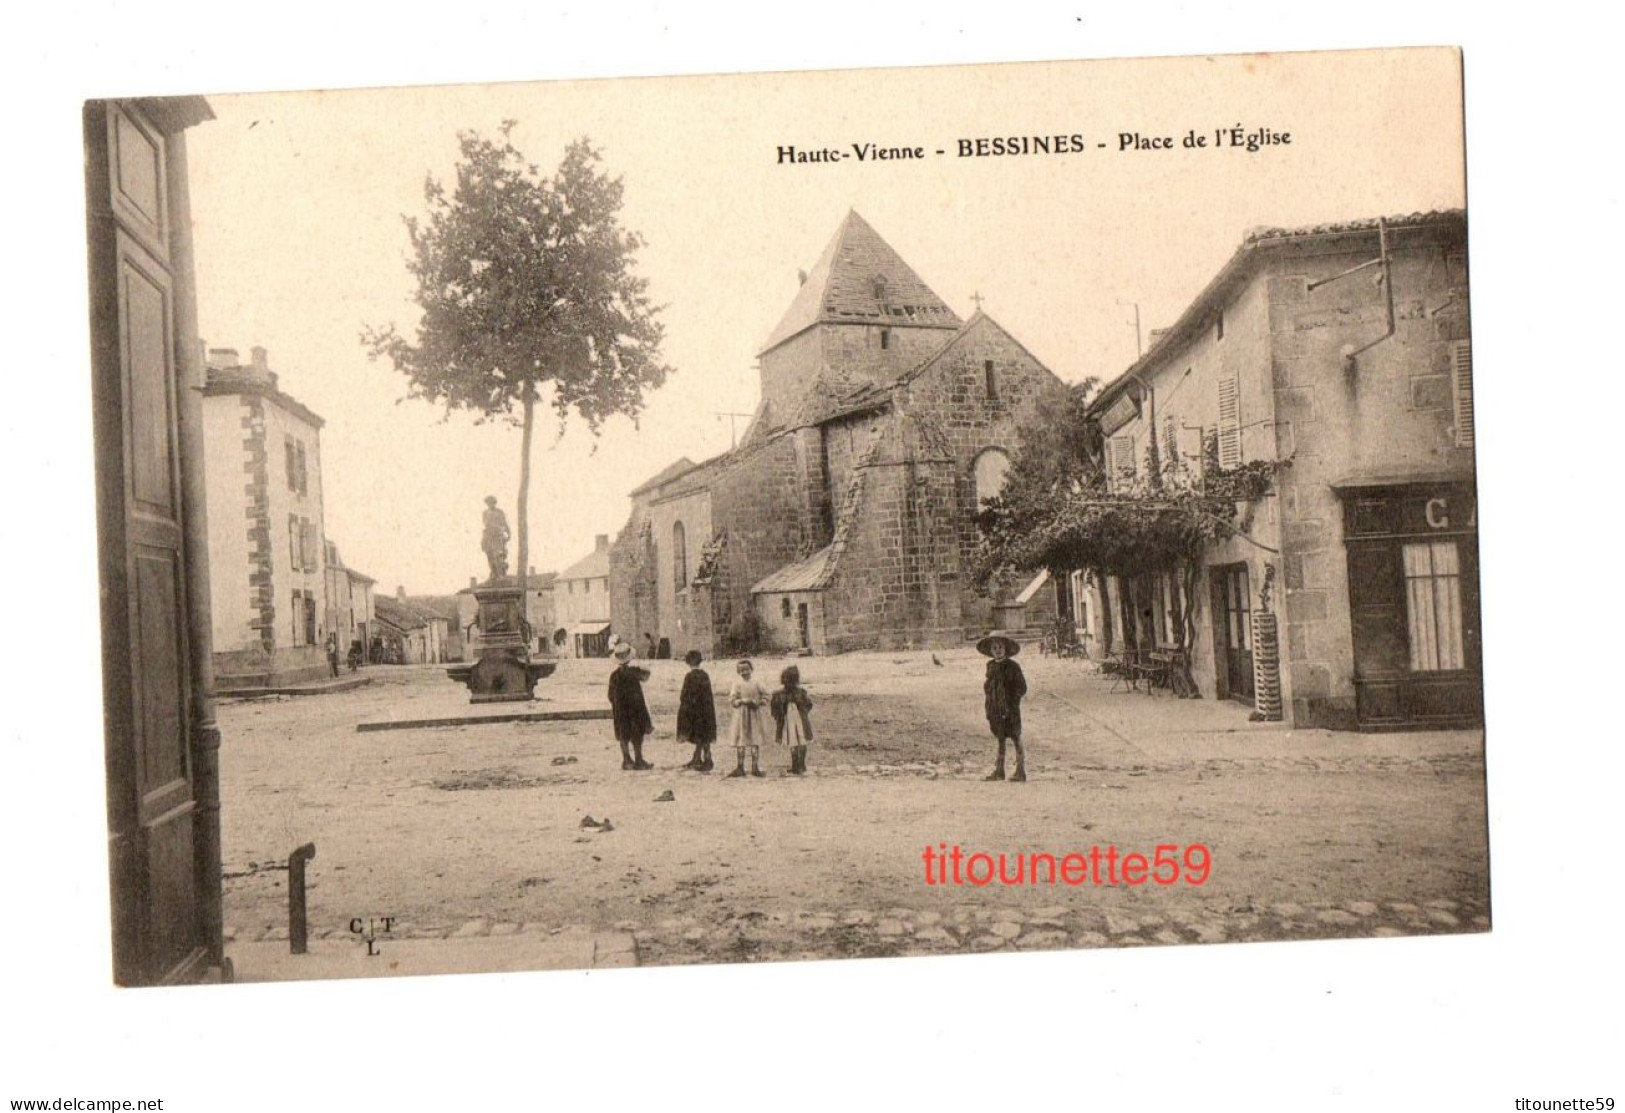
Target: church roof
665	475
803	575
859	279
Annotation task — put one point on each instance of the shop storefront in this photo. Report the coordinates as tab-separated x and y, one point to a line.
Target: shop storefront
1412	547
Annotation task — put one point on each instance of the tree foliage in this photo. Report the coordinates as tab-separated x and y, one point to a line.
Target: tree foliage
1059	511
524	280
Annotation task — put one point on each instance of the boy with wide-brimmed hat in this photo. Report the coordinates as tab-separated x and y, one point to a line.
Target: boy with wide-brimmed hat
1004	687
627	708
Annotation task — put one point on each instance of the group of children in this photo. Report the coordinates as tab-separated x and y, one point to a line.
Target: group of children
791	710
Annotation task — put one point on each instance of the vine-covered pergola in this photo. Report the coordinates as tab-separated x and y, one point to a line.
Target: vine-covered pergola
1063	514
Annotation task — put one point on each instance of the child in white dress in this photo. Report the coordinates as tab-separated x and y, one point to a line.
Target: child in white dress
749	728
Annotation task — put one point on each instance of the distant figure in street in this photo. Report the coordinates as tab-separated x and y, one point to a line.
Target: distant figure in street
333	653
494	538
697	714
648	646
355	654
749	728
626	706
1004	687
792	708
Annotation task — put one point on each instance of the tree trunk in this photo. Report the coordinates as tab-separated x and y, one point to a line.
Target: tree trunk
524	511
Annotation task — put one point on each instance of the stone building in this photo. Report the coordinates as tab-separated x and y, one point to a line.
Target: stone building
581	605
267	541
845	518
1344	349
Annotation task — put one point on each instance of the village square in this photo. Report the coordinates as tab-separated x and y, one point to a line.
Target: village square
464	777
954	647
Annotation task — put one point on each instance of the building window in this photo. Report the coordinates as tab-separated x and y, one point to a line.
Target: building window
885	339
294	543
298	613
990	377
292	462
679	556
1120	463
1433	605
299	449
991	467
784	606
1230	422
570	587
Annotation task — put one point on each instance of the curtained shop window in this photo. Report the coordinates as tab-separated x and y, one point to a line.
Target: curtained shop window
1433	605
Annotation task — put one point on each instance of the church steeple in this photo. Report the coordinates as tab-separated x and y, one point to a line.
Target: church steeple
860	280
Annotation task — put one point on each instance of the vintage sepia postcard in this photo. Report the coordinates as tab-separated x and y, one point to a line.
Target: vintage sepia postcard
787	516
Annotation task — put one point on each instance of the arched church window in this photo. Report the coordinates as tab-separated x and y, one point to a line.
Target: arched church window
679	556
990	470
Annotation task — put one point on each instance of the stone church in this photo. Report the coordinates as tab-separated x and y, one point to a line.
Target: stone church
845	517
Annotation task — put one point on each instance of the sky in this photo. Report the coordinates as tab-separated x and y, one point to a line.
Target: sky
298	199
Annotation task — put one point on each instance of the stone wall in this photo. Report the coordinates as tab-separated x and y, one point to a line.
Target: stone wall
755	501
952	394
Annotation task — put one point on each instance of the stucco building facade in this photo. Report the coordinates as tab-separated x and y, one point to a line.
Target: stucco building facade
1343	351
269	595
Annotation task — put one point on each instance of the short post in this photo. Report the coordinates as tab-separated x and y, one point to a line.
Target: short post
298	931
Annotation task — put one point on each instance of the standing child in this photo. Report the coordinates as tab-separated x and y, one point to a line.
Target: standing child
697	713
749	727
626	706
1004	687
791	708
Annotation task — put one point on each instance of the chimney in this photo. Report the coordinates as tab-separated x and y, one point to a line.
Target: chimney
256	355
400	591
600	543
533	571
223	358
473	582
801	277
1155	335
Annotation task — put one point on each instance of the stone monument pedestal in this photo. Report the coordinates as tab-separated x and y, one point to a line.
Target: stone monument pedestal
503	672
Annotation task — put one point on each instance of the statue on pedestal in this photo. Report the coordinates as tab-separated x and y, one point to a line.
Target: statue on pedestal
495	539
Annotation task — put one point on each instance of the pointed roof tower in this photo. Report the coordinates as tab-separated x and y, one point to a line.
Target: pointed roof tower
859	279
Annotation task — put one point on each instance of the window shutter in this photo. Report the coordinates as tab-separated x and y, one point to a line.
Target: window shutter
1461	372
295	543
1229	422
1121	460
1170	442
303	484
292	465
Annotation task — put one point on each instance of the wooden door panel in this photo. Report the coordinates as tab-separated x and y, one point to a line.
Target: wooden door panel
171	888
157	658
148	343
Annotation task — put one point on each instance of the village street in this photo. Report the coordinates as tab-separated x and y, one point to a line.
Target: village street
476	831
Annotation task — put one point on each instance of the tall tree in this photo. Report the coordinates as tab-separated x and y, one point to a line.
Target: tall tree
526	282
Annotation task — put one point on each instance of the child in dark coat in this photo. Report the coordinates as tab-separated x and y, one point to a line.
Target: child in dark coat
630	712
697	713
791	715
1003	688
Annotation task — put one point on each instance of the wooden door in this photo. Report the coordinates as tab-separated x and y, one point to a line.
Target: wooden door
805	625
162	834
1233	595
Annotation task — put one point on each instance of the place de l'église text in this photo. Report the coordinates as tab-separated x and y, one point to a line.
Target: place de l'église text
1237	137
